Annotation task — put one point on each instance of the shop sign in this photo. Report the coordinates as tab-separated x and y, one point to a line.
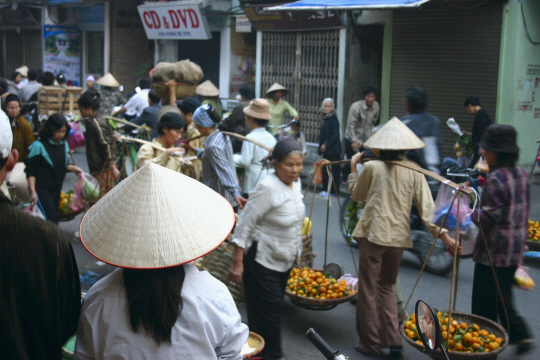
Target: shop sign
62	46
174	21
264	20
243	24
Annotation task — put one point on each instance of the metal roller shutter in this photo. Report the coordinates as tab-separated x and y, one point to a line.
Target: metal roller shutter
451	49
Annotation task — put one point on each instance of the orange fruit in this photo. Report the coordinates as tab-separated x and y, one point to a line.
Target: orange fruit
467	338
499	340
459	347
493	346
463	325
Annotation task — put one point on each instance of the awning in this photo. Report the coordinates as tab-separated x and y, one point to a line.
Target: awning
318	5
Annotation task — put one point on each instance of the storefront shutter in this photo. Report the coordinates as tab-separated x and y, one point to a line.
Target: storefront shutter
451	49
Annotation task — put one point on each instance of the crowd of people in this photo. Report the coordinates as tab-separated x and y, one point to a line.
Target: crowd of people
157	305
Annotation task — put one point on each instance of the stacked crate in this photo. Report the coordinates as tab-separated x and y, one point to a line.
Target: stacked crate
54	99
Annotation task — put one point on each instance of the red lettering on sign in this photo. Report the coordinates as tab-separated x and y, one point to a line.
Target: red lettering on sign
183	17
174	19
147	17
193	18
155	19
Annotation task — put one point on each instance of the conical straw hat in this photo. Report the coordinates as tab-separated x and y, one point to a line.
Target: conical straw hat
108	80
276	87
23	70
207	88
394	135
156	218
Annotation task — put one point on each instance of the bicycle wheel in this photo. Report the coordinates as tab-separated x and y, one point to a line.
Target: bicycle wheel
440	262
351	215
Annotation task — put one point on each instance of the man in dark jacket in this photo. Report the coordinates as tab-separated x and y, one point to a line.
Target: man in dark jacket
237	121
149	116
330	146
40	295
481	123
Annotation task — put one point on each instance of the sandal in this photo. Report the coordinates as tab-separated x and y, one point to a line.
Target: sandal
367	354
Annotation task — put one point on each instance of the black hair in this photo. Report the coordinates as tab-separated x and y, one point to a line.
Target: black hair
60	78
507	159
261	122
390	155
297	123
154	300
3	162
171	120
14	75
89	99
284	148
369	90
153	97
144	83
248	91
52	124
213	115
471	100
417	99
47	78
33	74
3	85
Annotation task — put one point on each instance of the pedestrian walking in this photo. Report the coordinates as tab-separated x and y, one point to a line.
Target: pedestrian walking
480	124
109	94
47	165
278	106
330	146
384	231
503	217
236	122
23	136
267	242
209	94
188	107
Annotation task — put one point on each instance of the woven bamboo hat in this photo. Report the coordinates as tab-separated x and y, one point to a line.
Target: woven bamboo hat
258	109
156	218
207	88
394	136
23	70
108	80
276	87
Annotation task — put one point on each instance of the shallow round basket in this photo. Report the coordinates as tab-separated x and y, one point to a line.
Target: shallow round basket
183	90
486	324
70	215
254	340
533	245
318	304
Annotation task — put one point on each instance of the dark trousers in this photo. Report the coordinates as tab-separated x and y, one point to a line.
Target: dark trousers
264	289
336	170
50	202
349	152
486	301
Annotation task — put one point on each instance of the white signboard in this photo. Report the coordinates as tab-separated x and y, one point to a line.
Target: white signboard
243	24
174	21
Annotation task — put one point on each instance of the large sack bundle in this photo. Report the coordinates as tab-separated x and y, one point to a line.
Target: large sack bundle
186	73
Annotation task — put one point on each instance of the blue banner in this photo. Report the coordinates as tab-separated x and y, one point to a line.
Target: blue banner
62	46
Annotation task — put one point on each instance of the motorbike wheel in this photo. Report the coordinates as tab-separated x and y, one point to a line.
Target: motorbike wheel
346	225
440	262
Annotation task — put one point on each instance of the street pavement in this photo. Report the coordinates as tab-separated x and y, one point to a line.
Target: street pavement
338	326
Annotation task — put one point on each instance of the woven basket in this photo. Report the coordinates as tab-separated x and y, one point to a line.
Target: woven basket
70	215
533	245
319	302
490	326
254	338
219	263
183	90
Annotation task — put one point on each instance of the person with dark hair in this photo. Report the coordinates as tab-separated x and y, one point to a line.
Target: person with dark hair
236	122
427	128
156	304
47	78
47	165
110	94
188	107
257	116
170	128
61	80
503	216
383	231
278	106
16	77
217	157
138	102
480	124
330	146
297	134
23	135
267	241
149	116
363	116
8	86
39	280
31	88
100	143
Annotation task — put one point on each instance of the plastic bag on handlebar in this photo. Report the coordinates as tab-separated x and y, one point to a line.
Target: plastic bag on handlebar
442	207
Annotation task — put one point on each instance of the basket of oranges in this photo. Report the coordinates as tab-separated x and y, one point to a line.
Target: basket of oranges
312	289
467	336
534	236
64	208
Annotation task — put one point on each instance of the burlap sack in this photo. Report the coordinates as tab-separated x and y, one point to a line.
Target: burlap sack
185	72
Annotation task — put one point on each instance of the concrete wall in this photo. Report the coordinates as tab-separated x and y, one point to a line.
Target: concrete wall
518	95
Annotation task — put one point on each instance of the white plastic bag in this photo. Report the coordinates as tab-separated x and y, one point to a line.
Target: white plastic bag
34	210
522	278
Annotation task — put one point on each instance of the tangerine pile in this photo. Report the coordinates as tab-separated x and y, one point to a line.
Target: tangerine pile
461	337
313	284
534	230
65	201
